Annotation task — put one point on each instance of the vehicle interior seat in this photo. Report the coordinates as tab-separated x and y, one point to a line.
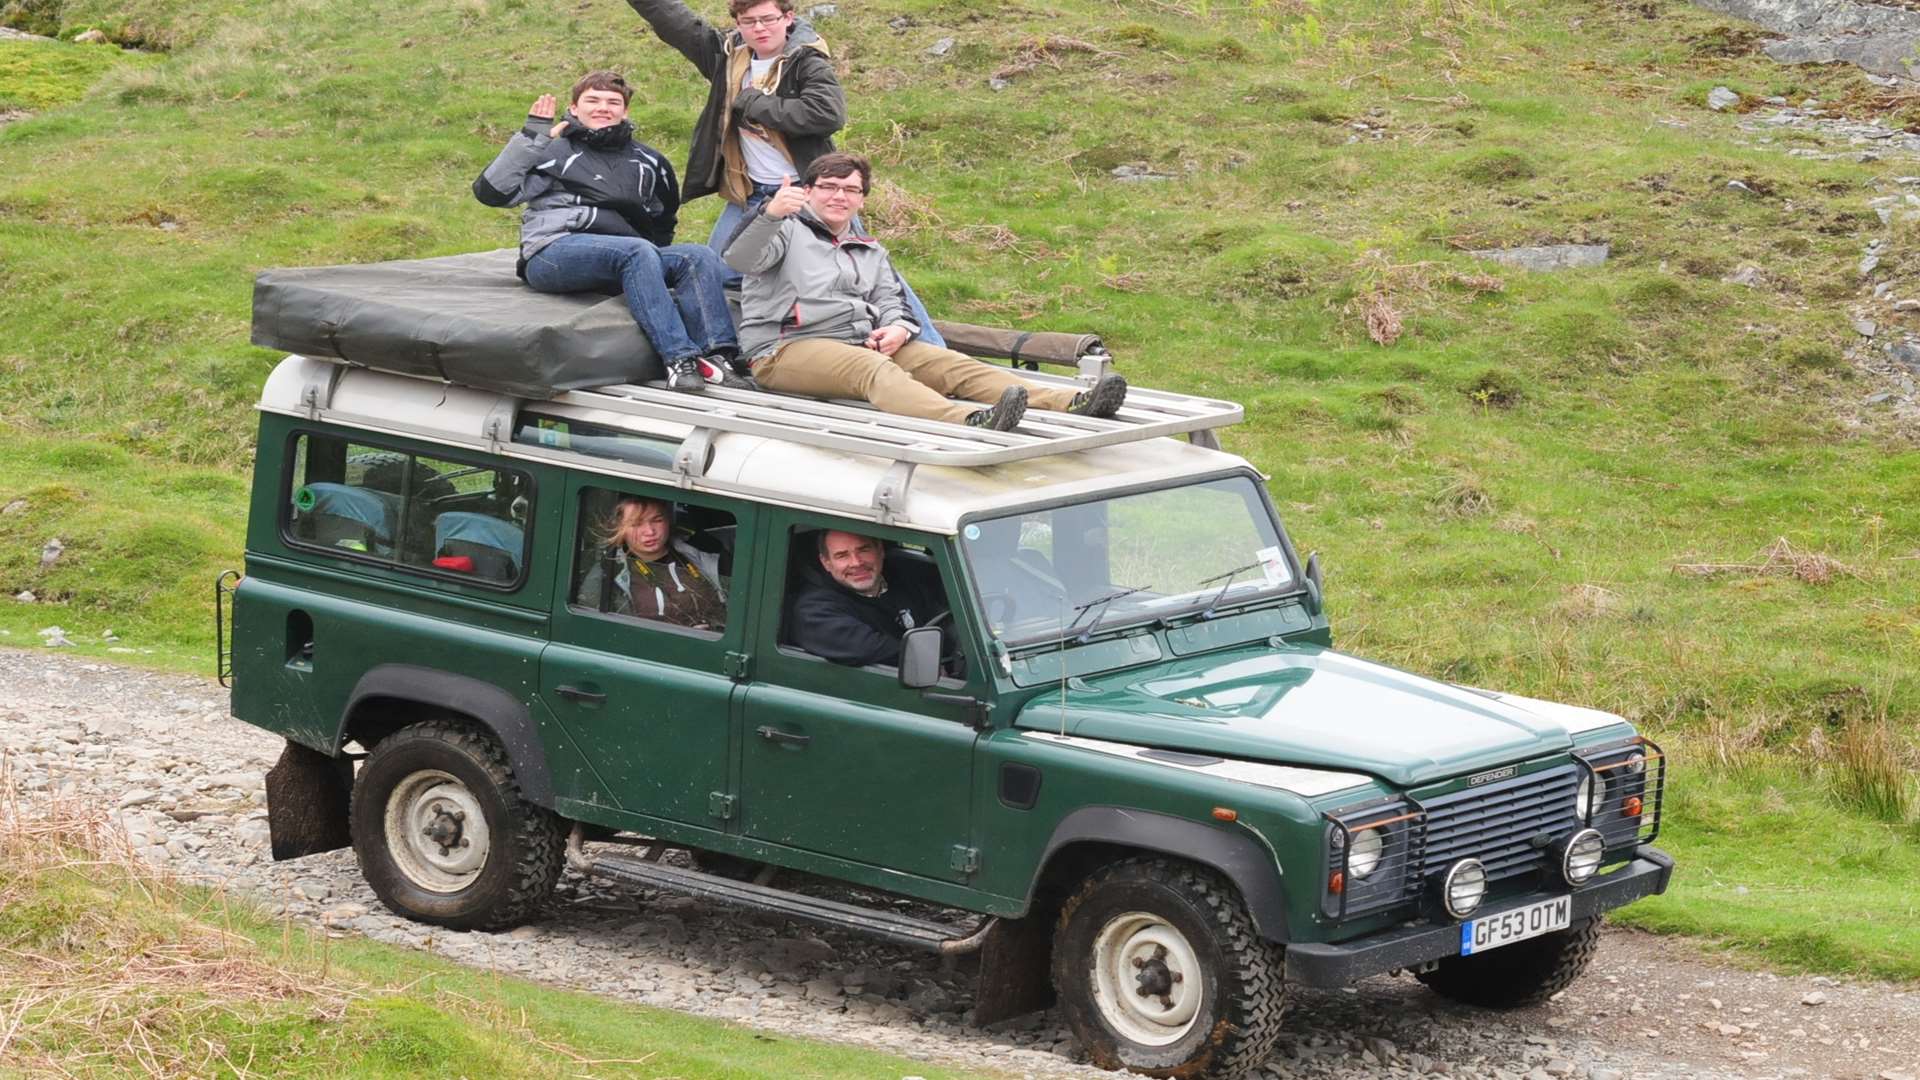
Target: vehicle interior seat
340	515
493	545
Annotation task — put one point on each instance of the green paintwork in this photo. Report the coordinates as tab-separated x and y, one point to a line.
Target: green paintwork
859	779
1302	705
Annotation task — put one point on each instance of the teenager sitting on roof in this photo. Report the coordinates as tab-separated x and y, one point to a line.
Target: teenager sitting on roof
821	314
601	209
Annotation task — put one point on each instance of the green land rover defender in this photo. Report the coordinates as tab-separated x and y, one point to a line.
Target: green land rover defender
1125	760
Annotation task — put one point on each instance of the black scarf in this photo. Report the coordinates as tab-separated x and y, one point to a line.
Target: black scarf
610	137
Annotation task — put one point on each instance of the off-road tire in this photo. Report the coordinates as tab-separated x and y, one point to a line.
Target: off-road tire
1524	973
524	841
1238	1016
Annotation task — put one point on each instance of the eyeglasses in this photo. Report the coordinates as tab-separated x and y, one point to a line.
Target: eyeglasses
849	190
758	21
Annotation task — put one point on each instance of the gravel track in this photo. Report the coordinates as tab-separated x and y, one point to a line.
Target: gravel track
186	780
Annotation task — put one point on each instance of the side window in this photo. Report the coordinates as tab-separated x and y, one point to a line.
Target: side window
641	555
392	506
849	597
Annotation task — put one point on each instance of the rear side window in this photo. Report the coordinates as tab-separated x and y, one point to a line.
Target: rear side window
436	515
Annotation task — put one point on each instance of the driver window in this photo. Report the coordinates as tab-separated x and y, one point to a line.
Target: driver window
641	555
849	598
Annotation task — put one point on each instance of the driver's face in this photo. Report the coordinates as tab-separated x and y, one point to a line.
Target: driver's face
854	561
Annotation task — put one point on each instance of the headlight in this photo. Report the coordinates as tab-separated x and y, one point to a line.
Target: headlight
1591	796
1581	856
1463	888
1365	856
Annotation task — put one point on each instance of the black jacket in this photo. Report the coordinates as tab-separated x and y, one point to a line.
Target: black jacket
806	107
835	623
582	182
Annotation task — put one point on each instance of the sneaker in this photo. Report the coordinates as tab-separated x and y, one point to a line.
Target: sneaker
1005	414
1102	399
721	371
684	375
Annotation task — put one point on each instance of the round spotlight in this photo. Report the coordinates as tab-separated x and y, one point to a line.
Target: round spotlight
1637	764
1591	796
1365	856
1464	887
1580	856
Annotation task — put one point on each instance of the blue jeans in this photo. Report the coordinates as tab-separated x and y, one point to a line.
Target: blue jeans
733	217
675	293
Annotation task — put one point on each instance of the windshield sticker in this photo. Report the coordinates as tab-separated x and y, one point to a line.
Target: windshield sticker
1273	564
971	532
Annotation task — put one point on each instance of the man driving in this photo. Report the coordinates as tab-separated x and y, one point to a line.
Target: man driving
857	608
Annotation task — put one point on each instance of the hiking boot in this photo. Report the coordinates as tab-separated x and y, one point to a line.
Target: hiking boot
1005	414
721	371
1102	399
684	375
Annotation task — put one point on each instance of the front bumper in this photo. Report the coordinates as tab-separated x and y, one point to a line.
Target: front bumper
1310	964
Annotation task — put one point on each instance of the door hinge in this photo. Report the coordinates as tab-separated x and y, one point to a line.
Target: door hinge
964	859
736	665
720	805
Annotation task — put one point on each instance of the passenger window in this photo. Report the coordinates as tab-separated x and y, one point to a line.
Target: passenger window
641	555
393	506
832	610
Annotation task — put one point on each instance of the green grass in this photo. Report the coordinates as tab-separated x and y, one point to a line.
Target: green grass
1502	495
107	970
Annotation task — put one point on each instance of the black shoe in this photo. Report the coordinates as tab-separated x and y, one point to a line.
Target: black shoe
721	371
1102	399
1005	414
684	375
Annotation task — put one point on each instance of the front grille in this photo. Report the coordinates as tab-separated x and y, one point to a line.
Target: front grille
1512	826
1505	825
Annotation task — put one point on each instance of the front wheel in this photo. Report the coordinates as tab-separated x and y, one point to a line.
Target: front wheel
443	834
1160	971
1524	973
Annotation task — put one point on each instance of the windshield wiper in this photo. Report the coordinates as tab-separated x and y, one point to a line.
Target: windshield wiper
1099	602
1229	575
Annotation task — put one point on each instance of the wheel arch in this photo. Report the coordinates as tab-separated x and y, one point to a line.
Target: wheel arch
1094	836
391	696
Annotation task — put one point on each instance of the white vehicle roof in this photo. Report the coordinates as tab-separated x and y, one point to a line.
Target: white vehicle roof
843	458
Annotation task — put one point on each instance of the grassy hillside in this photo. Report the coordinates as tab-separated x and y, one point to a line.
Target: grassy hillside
1509	475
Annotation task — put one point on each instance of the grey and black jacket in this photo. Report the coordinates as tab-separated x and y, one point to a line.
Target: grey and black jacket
806	107
604	182
801	281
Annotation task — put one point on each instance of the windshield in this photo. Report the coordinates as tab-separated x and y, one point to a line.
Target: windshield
1150	555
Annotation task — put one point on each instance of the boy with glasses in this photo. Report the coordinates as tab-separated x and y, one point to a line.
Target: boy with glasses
773	105
821	314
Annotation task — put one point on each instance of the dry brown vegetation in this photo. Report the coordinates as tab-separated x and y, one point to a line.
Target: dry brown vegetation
1780	559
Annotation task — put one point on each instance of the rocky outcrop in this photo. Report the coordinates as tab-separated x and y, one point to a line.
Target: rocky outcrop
1875	37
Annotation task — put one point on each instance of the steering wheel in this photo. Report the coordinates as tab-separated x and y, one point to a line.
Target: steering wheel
943	615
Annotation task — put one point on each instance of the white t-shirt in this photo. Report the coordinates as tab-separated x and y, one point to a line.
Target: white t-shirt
765	163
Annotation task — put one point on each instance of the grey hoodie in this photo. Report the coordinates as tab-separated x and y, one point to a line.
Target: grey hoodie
803	282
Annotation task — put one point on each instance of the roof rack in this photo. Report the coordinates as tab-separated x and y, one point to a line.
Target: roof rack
858	428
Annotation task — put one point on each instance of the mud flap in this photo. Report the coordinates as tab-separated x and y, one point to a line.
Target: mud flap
1016	964
307	800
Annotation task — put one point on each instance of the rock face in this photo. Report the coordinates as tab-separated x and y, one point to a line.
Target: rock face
1548	257
1876	37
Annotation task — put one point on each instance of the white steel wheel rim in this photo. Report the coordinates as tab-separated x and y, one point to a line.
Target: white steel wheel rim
1137	951
426	809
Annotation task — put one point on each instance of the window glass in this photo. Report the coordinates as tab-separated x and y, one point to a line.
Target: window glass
392	506
1126	559
851	598
641	555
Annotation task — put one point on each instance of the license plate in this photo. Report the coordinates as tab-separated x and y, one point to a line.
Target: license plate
1507	927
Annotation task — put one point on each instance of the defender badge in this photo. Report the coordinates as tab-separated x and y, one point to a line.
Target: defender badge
1490	776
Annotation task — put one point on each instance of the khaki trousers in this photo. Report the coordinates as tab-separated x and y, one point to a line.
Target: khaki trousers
917	380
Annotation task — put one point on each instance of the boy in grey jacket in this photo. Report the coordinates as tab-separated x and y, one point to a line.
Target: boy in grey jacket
600	213
821	314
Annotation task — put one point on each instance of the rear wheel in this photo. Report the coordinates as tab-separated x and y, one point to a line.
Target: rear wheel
1159	970
1524	973
443	834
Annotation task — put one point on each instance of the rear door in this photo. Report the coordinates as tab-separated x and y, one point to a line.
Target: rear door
843	761
649	703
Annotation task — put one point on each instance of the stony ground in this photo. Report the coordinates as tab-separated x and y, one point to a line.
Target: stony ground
186	782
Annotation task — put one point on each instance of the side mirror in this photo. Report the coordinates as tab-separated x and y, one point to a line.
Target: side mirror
1314	584
920	657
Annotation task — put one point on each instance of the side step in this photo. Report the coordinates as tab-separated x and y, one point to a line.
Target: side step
886	925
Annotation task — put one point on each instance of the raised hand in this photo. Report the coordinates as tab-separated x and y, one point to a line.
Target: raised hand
788	200
542	109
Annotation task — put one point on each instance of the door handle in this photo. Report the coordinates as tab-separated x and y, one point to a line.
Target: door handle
584	697
774	734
